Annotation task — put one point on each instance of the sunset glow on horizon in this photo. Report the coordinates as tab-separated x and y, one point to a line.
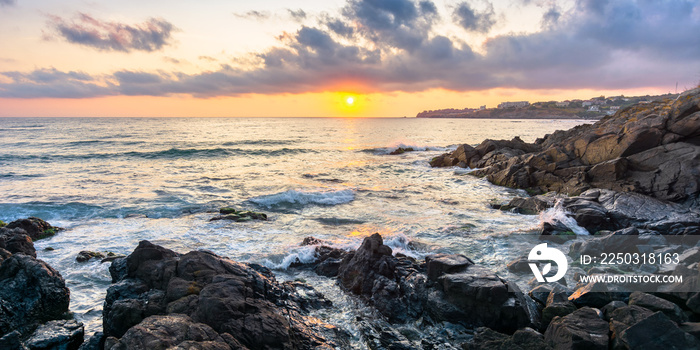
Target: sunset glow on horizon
335	58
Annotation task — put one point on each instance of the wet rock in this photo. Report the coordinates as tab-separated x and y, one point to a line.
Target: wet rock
16	240
118	269
622	318
35	228
657	332
481	298
86	255
596	295
440	264
96	342
518	265
240	304
12	340
529	205
446	288
556	309
608	309
582	329
523	339
31	292
401	150
239	215
168	332
654	303
60	334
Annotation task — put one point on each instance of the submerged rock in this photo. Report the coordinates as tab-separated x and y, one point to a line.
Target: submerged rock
401	150
239	215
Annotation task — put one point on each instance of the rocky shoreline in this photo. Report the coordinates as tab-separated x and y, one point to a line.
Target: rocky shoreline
634	174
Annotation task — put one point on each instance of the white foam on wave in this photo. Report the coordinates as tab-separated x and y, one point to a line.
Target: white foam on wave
306	197
398	243
558	214
405	144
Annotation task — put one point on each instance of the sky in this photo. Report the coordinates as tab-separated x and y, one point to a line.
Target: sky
307	58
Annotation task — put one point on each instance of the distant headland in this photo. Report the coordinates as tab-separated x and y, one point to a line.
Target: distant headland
593	108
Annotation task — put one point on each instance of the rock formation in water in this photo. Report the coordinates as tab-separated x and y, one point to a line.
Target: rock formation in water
34	298
199	300
651	149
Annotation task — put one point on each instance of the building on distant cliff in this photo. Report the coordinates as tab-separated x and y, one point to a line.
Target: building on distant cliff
519	104
563	104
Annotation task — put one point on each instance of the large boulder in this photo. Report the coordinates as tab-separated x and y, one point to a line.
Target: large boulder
657	332
172	332
34	227
31	292
215	297
16	240
447	288
582	329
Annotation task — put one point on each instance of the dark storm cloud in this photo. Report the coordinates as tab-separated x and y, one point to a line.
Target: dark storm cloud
393	45
151	35
474	21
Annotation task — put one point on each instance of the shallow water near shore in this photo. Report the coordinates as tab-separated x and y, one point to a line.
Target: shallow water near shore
114	182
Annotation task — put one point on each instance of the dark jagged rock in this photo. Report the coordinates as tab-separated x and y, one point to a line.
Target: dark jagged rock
228	304
657	332
15	240
239	215
523	339
173	331
96	342
12	340
582	329
650	149
447	288
86	255
401	150
654	303
34	227
60	334
31	292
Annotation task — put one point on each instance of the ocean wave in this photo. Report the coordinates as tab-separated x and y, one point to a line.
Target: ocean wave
399	244
395	146
558	214
49	211
259	142
172	153
300	197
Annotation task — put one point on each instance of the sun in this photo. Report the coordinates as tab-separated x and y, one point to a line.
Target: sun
350	101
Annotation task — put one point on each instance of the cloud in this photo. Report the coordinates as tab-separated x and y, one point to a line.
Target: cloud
50	82
473	21
397	45
152	35
8	2
254	15
298	15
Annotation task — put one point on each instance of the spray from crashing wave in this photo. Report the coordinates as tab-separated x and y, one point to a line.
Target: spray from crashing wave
557	216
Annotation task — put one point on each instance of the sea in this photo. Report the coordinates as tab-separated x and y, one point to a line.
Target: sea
112	182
